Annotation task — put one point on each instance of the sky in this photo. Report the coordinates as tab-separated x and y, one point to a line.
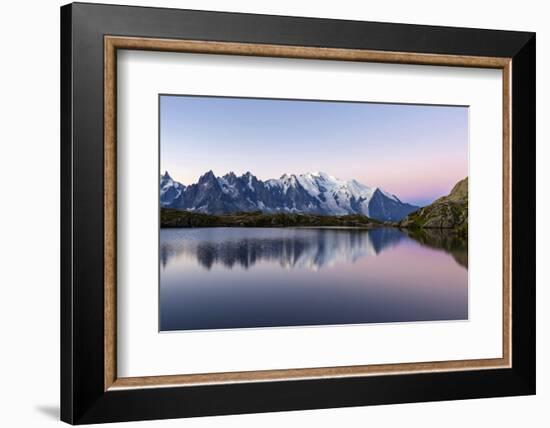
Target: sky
417	152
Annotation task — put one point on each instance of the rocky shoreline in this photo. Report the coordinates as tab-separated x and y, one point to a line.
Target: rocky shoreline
448	212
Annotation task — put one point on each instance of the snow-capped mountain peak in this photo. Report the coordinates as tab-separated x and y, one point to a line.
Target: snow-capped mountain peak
388	195
169	189
313	192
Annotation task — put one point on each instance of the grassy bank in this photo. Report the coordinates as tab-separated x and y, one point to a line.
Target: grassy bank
176	218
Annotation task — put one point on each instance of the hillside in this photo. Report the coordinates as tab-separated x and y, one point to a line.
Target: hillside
176	218
448	212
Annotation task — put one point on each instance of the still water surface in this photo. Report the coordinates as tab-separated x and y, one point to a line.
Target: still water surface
215	278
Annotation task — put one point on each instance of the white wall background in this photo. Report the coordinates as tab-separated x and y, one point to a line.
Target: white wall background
29	218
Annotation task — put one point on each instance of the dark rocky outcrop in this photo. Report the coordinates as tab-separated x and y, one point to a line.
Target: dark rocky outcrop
448	212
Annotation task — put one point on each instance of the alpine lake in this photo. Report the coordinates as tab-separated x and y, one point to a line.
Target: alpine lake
254	277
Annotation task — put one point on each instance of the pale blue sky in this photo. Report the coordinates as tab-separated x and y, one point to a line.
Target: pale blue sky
416	152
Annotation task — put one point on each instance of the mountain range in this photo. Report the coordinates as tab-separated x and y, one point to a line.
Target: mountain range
311	193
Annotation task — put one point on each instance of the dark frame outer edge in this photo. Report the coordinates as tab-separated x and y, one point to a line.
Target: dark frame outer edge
66	315
524	216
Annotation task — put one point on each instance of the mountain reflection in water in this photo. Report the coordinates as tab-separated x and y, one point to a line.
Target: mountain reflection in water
296	247
217	278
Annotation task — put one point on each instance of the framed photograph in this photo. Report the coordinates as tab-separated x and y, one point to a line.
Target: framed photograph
265	213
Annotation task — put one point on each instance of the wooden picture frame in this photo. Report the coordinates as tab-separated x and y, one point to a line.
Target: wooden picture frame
91	390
